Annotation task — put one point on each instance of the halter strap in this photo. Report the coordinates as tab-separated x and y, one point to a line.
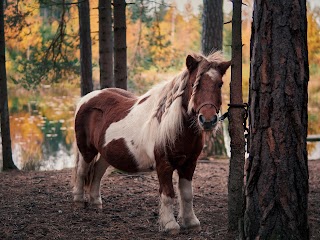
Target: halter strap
206	103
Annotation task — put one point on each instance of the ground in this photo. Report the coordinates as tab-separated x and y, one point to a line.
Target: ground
38	205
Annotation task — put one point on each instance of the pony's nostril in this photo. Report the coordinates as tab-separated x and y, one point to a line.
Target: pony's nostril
214	119
202	119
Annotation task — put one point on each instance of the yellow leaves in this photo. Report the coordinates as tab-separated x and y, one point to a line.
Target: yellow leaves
26	32
27	135
313	18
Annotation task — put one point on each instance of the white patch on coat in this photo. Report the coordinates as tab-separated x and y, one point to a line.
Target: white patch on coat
213	73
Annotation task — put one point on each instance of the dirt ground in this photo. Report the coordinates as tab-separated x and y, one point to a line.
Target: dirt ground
38	205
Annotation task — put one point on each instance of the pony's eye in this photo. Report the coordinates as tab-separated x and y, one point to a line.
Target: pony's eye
220	85
192	84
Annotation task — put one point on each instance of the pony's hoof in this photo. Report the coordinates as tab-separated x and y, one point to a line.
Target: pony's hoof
78	198
195	228
97	206
191	224
96	202
172	228
79	205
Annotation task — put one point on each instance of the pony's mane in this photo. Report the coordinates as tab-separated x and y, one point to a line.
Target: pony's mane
168	110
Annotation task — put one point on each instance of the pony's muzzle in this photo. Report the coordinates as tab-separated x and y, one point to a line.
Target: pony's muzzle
206	124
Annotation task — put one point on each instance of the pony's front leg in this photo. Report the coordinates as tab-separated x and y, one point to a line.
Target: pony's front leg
167	220
187	217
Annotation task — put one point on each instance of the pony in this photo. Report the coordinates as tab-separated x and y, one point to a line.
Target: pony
161	130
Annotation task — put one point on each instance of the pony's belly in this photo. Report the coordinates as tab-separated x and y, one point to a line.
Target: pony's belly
119	154
143	154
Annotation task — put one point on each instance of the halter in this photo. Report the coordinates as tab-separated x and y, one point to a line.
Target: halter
207	103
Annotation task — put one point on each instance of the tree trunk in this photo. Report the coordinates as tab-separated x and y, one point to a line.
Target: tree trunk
212	25
85	47
120	45
4	112
236	128
105	44
277	171
212	28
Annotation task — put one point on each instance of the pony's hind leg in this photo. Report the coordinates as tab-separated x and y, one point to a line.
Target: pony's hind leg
79	175
99	169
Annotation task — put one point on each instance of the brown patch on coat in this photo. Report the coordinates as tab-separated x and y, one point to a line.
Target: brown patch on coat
143	99
119	156
95	116
164	172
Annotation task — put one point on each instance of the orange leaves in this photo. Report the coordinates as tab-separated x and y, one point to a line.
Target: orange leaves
23	25
314	35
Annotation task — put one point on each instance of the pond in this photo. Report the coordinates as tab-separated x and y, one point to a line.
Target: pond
41	124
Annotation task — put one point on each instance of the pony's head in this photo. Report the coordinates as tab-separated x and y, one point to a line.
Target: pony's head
204	87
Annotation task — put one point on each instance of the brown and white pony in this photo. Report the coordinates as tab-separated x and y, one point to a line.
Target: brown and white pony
162	130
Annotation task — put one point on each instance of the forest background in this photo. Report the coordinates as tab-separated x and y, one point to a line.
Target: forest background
44	86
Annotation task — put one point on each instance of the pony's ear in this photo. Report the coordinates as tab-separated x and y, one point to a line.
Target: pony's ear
223	66
192	62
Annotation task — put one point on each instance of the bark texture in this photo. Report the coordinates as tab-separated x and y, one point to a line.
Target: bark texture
236	128
120	44
212	25
105	44
277	170
4	112
85	47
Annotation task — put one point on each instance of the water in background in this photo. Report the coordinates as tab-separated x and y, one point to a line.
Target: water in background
41	125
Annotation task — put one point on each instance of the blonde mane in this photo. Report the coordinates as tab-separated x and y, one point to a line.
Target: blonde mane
167	109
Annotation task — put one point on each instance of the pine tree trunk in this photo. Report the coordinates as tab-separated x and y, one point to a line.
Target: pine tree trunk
236	128
212	26
277	171
4	112
85	47
120	45
105	44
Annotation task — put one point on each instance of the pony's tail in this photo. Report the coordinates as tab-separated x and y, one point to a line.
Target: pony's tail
76	160
89	172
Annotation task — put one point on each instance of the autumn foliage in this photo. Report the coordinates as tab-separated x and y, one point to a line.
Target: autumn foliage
159	36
